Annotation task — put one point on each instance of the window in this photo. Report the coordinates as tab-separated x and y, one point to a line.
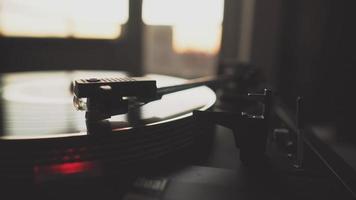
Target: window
182	36
63	18
196	24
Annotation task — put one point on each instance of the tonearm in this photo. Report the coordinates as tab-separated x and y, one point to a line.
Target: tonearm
112	96
107	97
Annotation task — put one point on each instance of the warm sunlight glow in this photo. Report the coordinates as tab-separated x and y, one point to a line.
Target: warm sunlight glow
96	30
202	39
196	24
63	18
178	12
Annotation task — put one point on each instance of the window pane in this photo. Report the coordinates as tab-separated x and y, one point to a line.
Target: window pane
196	24
182	36
173	12
63	18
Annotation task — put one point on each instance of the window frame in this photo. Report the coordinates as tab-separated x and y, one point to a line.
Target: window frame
33	54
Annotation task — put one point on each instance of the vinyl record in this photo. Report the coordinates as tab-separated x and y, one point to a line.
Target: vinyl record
43	135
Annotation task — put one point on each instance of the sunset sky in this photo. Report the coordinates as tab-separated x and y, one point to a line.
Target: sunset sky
196	23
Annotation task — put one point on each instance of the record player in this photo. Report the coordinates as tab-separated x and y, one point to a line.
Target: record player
109	132
166	146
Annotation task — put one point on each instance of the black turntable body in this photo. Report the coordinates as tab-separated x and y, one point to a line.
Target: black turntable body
169	148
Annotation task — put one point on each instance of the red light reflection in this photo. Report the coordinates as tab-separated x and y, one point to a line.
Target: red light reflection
70	168
64	168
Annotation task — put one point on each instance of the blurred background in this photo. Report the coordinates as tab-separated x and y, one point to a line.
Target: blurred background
180	37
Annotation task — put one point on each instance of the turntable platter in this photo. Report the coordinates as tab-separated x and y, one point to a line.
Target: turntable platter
43	135
39	104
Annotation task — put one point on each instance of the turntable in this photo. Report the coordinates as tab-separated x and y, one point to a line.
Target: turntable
163	147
